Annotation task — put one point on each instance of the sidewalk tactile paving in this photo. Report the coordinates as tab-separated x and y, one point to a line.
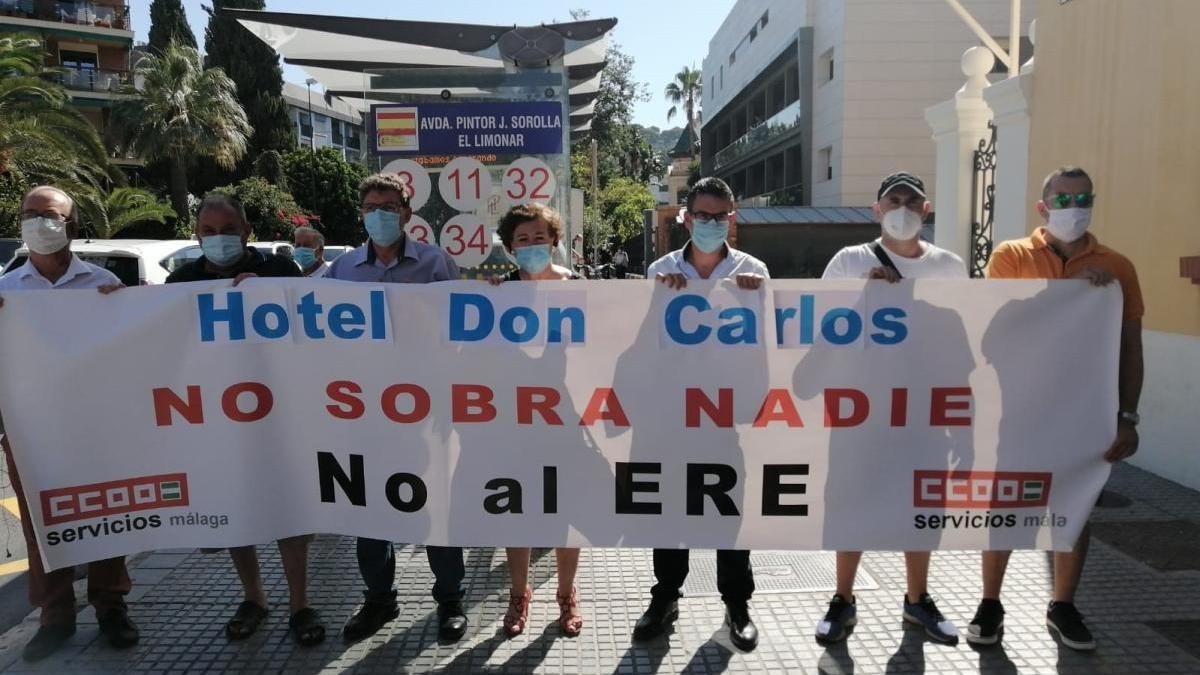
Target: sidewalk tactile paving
185	597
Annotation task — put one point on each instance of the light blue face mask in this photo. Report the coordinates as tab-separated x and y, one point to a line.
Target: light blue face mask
382	226
222	250
709	235
304	256
533	258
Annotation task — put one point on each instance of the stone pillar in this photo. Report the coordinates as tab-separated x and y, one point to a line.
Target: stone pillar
958	126
1010	101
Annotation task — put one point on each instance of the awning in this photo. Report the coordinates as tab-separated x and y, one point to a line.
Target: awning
346	55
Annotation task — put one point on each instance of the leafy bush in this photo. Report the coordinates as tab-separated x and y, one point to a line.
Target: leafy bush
271	210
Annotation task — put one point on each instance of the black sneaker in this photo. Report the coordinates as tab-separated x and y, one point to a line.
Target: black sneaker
984	629
1068	622
841	616
925	613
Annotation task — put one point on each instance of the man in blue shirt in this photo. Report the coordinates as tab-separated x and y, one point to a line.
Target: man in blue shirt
389	256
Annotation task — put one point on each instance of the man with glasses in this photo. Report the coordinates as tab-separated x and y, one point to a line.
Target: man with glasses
708	217
391	257
1064	249
48	225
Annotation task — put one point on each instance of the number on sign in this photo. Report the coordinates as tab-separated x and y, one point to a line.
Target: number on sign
420	233
528	180
460	242
473	176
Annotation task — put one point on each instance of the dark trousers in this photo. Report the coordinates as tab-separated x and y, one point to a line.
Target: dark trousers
54	592
377	564
735	579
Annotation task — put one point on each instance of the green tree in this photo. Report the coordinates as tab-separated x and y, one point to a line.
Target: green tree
326	185
272	211
169	24
269	167
13	186
41	138
254	68
125	206
184	112
622	204
685	91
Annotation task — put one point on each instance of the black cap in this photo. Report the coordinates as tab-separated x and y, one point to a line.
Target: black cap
901	178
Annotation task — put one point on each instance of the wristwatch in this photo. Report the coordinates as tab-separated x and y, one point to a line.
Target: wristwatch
1130	418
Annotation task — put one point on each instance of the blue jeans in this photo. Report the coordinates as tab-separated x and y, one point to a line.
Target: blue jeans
377	564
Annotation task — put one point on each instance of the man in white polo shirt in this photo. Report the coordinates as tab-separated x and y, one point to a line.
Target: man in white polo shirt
47	227
898	253
707	255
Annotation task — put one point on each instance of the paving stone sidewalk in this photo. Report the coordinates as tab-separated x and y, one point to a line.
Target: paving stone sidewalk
1141	596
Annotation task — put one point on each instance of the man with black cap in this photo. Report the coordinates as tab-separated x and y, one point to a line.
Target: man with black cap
898	253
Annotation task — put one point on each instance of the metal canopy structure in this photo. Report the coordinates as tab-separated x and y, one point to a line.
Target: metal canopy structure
358	59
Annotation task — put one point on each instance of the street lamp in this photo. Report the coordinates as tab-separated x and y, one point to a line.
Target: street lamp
312	134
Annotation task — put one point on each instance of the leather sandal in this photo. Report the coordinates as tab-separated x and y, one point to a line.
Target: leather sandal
245	620
518	612
306	627
569	618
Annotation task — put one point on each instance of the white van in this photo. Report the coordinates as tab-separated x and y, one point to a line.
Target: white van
136	262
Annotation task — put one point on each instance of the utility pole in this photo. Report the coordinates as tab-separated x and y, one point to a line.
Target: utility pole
595	209
312	126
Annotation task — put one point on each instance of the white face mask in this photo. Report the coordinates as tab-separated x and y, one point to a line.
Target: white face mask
44	235
1068	225
901	223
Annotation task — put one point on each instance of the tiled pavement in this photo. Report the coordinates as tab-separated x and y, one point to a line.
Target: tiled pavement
1145	619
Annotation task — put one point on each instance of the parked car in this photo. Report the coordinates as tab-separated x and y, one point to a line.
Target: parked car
332	252
283	248
136	262
8	248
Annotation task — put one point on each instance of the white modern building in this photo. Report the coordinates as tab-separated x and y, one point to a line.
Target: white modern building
811	102
336	124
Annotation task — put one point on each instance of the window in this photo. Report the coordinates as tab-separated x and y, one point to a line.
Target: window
337	132
305	122
762	23
753	33
825	66
732	57
181	258
722	74
78	60
825	162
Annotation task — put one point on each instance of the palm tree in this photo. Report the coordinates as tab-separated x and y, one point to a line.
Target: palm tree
185	112
124	206
685	91
41	137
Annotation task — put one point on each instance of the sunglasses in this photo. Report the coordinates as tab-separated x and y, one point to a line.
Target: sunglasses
1063	200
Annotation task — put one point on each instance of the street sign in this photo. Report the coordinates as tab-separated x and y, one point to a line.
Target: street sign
508	128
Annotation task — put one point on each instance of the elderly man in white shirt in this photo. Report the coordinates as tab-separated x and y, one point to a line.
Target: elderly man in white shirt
309	252
707	255
47	227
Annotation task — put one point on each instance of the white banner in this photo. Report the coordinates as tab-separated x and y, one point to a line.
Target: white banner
809	415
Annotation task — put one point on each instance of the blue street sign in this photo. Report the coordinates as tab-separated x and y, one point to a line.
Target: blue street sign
534	128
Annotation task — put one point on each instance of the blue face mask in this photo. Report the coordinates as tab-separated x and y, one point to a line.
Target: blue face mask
382	226
534	258
222	250
304	256
709	235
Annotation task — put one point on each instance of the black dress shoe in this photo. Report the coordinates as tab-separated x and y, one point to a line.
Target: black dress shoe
742	631
658	617
47	641
120	630
369	619
452	621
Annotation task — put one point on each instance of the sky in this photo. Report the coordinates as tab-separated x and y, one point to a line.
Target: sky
661	39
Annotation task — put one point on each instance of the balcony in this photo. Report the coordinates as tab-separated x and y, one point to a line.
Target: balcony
93	79
791	195
73	13
776	126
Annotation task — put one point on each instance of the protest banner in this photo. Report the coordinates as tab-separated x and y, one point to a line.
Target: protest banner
807	415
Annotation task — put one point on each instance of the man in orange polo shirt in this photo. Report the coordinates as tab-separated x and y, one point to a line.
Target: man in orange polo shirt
1064	249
